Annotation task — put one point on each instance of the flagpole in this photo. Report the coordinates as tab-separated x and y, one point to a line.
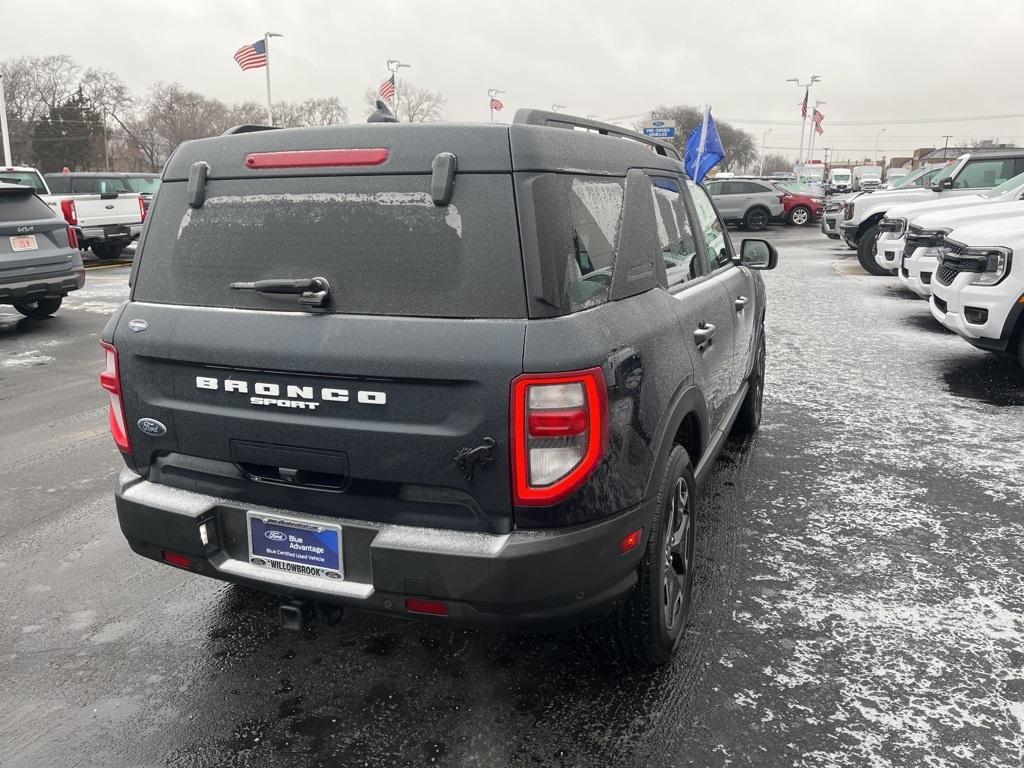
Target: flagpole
703	140
266	48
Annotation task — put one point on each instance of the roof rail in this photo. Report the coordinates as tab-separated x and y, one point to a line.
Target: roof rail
526	116
250	129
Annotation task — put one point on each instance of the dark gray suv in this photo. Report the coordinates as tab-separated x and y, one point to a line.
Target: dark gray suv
39	258
436	371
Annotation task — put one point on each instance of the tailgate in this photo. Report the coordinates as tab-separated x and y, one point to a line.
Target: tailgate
107	210
32	239
346	415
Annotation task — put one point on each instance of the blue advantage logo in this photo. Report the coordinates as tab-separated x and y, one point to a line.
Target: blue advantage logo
152	427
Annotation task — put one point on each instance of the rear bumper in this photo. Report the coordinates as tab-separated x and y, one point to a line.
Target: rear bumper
538	580
120	232
42	286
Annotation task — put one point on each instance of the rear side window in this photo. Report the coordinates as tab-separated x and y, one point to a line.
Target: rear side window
678	246
143	185
59	183
380	241
985	173
23	207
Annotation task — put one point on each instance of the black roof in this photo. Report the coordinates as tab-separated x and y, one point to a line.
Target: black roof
535	141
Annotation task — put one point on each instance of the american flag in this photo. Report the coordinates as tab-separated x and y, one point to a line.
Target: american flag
803	107
496	105
252	56
818	118
387	89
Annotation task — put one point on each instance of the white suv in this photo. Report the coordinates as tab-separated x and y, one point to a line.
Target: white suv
978	288
925	236
892	229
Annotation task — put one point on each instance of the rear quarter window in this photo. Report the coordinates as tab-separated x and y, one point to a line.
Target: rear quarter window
380	241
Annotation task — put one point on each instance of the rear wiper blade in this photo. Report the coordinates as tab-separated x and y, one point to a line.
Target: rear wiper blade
314	291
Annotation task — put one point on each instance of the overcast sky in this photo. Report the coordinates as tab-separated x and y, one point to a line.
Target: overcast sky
879	60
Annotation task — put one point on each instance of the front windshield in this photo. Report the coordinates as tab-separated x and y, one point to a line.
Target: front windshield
146	185
908	180
946	172
1007	188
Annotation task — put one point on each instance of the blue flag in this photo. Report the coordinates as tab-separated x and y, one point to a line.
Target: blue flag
704	149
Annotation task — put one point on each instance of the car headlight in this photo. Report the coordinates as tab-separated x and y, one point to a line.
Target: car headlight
895	226
997	265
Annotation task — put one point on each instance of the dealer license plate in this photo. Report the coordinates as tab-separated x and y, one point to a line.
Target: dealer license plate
24	243
295	546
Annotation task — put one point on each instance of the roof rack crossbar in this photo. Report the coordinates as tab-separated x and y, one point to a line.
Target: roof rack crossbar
250	129
526	116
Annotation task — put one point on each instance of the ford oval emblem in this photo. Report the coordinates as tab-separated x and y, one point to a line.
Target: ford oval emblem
152	427
276	535
109	207
137	326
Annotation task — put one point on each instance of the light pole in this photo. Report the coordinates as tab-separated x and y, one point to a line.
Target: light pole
393	66
556	107
3	124
266	50
764	138
807	97
492	93
877	137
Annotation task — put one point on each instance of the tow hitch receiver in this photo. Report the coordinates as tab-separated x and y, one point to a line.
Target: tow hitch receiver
296	615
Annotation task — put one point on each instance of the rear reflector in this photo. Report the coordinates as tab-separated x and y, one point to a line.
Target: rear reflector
431	607
174	558
317	158
110	380
629	542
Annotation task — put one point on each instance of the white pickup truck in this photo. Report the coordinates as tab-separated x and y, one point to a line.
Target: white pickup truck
892	229
104	209
970	174
978	290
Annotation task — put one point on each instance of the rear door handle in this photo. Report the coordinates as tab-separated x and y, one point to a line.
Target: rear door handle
703	334
741	303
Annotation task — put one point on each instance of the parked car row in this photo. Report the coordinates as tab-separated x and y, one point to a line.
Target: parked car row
105	209
953	242
753	203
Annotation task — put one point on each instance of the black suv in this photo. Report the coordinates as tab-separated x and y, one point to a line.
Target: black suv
472	373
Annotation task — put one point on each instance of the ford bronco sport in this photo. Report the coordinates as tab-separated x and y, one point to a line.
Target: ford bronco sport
469	373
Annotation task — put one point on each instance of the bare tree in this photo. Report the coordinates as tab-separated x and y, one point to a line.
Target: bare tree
32	86
775	163
414	104
108	95
311	112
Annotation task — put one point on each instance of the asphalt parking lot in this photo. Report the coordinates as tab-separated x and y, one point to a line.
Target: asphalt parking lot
859	597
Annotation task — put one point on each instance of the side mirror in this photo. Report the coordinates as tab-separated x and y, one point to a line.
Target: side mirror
946	183
758	254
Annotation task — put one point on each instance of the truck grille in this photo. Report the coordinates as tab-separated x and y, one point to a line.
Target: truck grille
951	266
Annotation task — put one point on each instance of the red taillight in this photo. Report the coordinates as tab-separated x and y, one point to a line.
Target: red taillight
432	607
67	208
72	238
110	380
558	431
317	158
182	561
142	208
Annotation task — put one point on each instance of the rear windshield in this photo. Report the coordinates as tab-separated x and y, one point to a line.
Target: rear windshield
25	178
143	185
21	206
380	241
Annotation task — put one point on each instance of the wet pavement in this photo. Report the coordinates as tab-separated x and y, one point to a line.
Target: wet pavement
858	599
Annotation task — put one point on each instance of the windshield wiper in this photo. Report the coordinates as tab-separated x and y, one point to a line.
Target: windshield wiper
312	291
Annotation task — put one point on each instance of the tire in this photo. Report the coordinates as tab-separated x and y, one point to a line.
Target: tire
749	419
647	628
866	253
800	216
1020	348
39	308
108	251
756	219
